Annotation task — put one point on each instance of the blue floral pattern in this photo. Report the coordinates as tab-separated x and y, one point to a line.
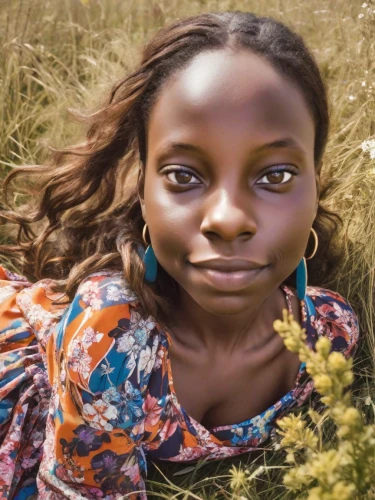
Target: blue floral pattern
87	396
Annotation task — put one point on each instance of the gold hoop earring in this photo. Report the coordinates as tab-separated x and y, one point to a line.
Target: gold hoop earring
144	234
301	276
316	244
149	259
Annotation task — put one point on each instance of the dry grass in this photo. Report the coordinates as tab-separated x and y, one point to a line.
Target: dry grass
63	54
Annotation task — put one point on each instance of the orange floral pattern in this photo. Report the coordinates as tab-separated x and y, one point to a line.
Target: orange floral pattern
87	396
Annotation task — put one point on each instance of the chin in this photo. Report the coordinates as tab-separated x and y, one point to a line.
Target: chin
225	305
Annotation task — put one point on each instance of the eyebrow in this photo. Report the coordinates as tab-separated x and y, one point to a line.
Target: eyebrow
286	142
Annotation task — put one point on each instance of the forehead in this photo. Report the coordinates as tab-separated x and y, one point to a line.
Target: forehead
233	95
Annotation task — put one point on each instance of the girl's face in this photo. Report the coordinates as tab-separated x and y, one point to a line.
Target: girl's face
229	175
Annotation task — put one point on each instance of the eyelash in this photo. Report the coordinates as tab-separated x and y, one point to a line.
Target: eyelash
279	168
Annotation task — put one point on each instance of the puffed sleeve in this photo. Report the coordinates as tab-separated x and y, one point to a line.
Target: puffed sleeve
332	315
100	362
27	314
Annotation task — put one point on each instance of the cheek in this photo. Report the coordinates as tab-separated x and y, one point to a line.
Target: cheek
170	224
291	228
170	247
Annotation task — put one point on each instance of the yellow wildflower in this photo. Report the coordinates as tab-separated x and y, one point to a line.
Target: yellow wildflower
337	362
343	491
328	400
347	378
344	469
323	346
295	433
351	417
239	478
296	478
323	384
326	467
315	494
290	458
291	344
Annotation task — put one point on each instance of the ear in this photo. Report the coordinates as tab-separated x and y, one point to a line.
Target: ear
141	191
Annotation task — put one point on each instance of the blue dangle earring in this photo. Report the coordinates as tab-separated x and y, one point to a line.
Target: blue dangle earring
302	271
149	259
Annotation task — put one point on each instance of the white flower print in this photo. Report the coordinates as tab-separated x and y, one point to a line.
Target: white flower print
90	293
344	317
99	412
111	394
238	431
79	360
48	447
6	465
203	435
157	364
54	404
7	449
147	324
115	293
141	326
90	336
158	360
213	450
320	326
38	439
106	369
135	339
189	453
6	292
127	343
16	434
38	318
145	360
126	291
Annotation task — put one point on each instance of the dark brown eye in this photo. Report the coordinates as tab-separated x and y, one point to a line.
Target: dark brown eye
276	177
279	176
181	176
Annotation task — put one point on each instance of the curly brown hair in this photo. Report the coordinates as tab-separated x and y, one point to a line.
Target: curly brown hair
88	214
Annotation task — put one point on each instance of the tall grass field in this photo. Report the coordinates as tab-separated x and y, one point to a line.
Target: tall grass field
59	56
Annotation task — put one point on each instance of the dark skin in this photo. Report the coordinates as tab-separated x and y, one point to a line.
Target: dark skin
228	363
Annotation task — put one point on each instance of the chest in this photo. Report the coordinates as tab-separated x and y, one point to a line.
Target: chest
231	390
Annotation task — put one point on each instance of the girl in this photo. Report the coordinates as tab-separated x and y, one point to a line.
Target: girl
142	328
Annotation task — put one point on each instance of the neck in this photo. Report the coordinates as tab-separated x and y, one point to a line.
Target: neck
195	328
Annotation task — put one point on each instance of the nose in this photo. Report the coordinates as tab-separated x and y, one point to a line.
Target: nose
228	215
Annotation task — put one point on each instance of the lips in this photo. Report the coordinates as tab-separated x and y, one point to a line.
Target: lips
229	275
229	265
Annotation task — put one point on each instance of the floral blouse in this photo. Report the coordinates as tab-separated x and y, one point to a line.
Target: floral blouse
87	396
